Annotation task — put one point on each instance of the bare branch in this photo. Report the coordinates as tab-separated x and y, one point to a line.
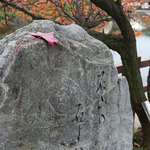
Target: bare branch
22	9
114	42
65	13
90	12
96	23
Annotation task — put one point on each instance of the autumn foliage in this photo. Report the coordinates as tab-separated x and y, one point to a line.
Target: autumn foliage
82	12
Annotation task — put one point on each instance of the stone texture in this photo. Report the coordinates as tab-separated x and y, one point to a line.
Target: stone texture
66	97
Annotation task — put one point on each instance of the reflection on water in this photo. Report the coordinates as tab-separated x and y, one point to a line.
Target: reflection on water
143	50
143	46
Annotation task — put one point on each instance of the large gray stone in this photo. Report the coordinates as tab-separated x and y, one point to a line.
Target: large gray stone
66	97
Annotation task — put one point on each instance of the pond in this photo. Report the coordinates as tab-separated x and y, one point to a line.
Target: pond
143	50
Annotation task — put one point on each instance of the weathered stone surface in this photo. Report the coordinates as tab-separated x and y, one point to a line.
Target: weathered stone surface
66	97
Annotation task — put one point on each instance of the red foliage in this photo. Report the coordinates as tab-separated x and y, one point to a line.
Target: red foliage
82	12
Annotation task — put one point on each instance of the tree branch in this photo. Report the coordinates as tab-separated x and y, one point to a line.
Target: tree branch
114	42
65	13
23	10
116	12
96	23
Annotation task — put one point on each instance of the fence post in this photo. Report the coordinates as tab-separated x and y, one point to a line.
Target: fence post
143	63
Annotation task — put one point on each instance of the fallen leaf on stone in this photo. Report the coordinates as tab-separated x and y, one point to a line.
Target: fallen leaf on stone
49	37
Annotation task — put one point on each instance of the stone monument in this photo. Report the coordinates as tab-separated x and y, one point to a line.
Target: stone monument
66	97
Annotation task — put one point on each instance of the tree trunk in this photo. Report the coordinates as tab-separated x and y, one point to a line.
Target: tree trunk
148	85
146	124
135	86
145	127
131	71
130	63
137	95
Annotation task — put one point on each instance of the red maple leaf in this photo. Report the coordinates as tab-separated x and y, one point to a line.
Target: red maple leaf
49	37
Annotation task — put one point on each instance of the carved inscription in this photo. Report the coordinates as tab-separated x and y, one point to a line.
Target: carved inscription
101	88
79	114
78	119
101	119
102	83
79	148
79	133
